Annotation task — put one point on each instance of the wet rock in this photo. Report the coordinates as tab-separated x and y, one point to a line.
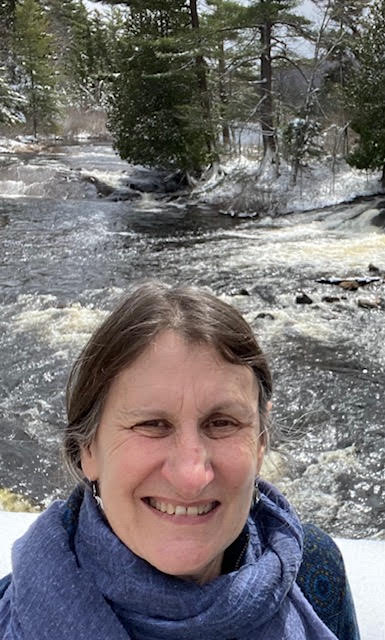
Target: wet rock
265	293
239	292
146	185
349	285
379	220
120	195
303	298
331	299
102	188
367	303
373	269
264	316
175	182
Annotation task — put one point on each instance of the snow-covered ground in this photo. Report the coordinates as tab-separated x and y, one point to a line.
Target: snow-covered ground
364	560
239	187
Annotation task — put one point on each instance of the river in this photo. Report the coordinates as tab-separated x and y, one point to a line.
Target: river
67	255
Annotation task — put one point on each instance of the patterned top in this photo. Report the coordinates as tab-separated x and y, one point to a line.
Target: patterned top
322	579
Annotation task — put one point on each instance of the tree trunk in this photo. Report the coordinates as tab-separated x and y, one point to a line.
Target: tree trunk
200	66
266	111
33	105
223	97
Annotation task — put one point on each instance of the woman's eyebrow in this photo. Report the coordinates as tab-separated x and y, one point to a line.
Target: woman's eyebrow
232	405
139	412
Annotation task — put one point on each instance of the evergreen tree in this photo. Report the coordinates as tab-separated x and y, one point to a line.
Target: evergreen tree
11	102
275	22
159	113
365	93
232	57
80	50
342	21
36	69
7	15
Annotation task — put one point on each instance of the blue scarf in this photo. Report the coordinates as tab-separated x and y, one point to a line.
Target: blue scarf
97	589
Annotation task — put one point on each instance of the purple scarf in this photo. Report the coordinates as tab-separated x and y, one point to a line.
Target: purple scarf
103	590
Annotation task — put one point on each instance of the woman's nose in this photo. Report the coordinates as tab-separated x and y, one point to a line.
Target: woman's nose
188	467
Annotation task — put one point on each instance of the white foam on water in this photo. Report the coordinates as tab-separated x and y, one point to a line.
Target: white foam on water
314	494
59	327
290	247
12	188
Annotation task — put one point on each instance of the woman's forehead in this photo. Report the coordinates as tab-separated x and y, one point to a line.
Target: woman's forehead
172	365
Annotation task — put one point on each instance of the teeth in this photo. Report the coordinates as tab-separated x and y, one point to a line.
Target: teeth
180	510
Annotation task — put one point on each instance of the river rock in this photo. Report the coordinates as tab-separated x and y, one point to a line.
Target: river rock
349	285
119	195
264	316
102	188
239	292
303	298
331	299
366	303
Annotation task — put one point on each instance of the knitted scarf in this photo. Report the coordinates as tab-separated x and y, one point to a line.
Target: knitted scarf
97	589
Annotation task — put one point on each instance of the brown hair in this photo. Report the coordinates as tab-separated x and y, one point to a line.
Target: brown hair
141	315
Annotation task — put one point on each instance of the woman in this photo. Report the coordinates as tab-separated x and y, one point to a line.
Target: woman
170	533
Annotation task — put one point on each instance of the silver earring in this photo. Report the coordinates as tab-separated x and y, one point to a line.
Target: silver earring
256	494
94	488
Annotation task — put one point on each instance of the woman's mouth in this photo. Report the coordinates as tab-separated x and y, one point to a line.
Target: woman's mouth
180	509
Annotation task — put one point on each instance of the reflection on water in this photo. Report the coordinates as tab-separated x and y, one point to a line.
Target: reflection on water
66	259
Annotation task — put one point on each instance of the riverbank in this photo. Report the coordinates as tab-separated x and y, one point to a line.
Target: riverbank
238	187
241	188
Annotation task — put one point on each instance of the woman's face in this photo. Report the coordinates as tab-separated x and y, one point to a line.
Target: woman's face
176	454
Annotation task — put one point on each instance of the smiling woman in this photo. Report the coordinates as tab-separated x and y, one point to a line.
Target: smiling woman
171	533
176	452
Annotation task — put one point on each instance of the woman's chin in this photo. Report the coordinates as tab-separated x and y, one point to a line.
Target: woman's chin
198	571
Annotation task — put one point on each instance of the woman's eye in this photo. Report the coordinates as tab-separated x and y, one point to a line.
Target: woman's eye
221	427
152	428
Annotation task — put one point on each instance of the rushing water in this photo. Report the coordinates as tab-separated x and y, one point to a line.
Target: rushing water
66	256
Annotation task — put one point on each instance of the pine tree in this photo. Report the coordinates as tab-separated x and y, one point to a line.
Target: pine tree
160	111
365	93
342	25
78	53
7	15
35	56
275	22
232	58
11	102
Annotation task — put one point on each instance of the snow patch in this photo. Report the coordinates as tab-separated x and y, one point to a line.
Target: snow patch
242	187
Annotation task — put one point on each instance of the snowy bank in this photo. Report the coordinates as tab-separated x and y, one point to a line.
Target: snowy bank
241	187
364	560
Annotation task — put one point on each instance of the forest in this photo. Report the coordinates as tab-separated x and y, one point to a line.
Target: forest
179	84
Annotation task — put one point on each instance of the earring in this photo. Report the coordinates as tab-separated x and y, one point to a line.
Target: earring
94	488
256	494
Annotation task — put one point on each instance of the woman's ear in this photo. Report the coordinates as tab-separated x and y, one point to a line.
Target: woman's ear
263	439
88	462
